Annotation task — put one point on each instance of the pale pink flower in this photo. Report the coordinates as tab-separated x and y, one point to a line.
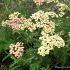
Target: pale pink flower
39	2
16	49
14	23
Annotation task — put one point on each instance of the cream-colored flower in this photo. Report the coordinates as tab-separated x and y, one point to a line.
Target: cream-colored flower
49	27
40	16
14	15
57	41
17	49
49	1
28	24
61	6
48	42
61	14
43	51
51	14
42	20
4	23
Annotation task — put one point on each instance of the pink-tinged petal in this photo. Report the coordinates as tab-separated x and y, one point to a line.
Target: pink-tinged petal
39	2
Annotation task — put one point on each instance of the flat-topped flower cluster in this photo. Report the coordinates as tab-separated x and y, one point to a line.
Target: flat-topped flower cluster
49	42
16	49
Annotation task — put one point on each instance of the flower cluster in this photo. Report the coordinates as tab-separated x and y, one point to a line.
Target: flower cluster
41	16
43	51
14	15
51	14
41	19
18	23
49	1
39	2
17	49
49	27
49	42
61	8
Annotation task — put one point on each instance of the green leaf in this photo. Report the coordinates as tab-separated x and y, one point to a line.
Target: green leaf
35	65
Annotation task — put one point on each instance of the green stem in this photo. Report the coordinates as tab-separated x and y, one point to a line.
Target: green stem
38	7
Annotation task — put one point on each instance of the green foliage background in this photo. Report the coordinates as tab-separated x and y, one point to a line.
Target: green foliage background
30	60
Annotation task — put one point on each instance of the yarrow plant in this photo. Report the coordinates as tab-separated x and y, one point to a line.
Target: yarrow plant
41	20
35	38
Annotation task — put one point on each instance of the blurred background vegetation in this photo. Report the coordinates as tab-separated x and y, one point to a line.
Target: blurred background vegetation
25	7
